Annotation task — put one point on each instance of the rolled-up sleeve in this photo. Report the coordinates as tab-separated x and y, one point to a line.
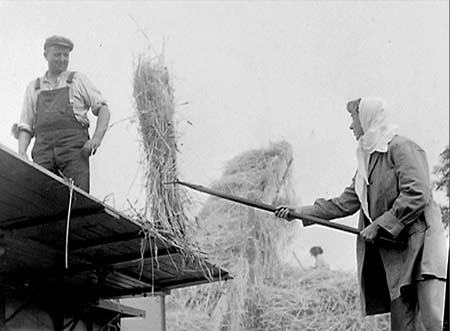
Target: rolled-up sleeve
91	96
28	109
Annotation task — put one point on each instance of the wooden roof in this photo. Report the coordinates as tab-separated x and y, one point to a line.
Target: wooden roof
104	247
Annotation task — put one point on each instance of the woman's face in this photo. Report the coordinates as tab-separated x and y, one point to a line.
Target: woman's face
356	126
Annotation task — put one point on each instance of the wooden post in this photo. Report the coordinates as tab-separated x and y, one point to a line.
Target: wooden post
2	308
446	326
163	312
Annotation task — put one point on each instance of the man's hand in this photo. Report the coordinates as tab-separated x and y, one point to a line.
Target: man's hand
284	211
92	145
24	155
370	233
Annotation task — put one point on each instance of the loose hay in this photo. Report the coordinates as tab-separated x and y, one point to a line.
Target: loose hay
312	300
315	300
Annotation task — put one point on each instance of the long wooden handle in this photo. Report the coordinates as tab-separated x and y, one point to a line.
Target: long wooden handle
272	209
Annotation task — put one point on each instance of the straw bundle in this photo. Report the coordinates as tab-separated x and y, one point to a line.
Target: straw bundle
166	206
154	101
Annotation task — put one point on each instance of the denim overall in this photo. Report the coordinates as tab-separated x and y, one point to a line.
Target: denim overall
59	136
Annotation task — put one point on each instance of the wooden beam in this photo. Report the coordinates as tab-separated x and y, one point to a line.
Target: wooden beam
29	223
2	307
131	259
124	261
86	244
124	310
51	255
160	287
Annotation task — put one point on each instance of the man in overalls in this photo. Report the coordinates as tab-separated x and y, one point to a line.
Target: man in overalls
55	113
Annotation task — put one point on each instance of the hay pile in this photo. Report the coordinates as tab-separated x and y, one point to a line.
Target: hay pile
318	299
236	234
311	300
265	293
154	101
246	242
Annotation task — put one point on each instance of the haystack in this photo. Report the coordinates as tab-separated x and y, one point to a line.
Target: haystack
243	240
262	175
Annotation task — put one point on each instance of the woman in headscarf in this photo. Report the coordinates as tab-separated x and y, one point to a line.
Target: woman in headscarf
392	191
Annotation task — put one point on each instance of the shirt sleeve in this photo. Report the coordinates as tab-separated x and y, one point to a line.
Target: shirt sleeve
28	109
344	205
91	96
411	168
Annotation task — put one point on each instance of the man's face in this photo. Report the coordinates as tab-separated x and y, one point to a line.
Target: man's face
355	126
57	58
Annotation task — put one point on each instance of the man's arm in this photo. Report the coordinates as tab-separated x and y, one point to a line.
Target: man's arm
100	129
24	141
23	131
93	99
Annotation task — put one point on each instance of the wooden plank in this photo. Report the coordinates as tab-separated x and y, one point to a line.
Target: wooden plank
25	256
124	310
32	223
106	240
126	280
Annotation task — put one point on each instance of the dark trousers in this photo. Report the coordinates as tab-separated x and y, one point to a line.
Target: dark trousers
60	151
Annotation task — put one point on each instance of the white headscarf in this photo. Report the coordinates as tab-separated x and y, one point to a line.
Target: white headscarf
378	132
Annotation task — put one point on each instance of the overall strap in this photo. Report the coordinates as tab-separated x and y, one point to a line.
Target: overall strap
37	85
70	77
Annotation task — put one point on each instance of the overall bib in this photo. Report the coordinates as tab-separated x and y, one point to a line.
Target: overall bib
59	136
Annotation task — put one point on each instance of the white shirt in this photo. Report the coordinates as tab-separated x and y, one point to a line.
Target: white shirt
83	96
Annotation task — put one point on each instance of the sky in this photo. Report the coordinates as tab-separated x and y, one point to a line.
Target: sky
245	74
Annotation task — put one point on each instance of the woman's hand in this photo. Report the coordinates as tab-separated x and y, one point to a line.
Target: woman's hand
370	232
284	212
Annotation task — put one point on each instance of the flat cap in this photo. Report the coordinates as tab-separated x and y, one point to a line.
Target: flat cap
58	40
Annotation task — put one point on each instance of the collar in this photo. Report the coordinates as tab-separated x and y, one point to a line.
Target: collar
62	75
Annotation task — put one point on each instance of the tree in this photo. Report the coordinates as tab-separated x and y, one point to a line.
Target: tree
442	183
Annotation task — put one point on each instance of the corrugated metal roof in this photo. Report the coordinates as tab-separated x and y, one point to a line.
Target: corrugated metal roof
105	258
